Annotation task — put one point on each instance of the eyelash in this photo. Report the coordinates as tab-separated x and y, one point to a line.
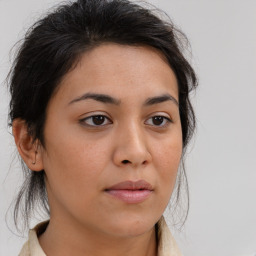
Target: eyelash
85	121
165	119
90	118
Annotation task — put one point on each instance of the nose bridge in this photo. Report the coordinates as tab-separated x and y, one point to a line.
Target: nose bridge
131	145
134	137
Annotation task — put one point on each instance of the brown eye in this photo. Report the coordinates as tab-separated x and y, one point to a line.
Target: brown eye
96	120
158	121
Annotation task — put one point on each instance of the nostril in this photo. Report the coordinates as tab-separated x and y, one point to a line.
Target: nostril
129	162
125	161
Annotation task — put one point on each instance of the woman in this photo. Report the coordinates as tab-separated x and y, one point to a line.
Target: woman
101	117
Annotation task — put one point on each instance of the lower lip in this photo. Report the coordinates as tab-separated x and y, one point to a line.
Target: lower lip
130	196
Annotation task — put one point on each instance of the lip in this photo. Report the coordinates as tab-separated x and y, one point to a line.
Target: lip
131	192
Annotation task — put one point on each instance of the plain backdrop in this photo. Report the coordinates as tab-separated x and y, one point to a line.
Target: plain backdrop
221	164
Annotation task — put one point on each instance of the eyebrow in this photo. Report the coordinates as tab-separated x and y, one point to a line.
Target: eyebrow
160	99
98	97
104	98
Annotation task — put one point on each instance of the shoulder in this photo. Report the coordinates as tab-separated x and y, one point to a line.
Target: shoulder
167	245
25	250
32	246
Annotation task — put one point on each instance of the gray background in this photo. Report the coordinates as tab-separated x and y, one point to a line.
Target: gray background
222	163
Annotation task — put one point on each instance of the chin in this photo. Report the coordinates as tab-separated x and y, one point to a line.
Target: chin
133	226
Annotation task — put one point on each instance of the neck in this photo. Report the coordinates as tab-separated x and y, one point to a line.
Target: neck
63	238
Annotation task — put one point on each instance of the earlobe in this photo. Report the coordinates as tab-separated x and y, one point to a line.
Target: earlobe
29	149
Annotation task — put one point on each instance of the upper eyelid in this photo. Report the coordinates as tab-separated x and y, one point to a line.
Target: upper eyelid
91	114
94	113
163	114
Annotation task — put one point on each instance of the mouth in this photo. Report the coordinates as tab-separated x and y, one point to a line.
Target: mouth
131	192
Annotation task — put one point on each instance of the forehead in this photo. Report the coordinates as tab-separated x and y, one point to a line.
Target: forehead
122	71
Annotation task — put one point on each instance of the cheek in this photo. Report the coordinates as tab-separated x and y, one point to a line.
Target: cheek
168	156
168	161
74	176
73	164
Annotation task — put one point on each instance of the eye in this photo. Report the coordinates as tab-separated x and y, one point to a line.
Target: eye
160	121
96	120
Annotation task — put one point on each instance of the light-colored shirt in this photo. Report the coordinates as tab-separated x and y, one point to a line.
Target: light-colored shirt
166	243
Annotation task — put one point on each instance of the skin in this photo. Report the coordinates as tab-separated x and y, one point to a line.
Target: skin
81	160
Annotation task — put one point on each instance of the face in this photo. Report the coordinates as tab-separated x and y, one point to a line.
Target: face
113	141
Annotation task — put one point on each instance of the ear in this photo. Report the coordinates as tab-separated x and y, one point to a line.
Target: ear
30	150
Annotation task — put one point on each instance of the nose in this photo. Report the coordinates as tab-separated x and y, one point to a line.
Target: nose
131	148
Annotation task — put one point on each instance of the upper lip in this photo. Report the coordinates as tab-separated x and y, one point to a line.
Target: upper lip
132	185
